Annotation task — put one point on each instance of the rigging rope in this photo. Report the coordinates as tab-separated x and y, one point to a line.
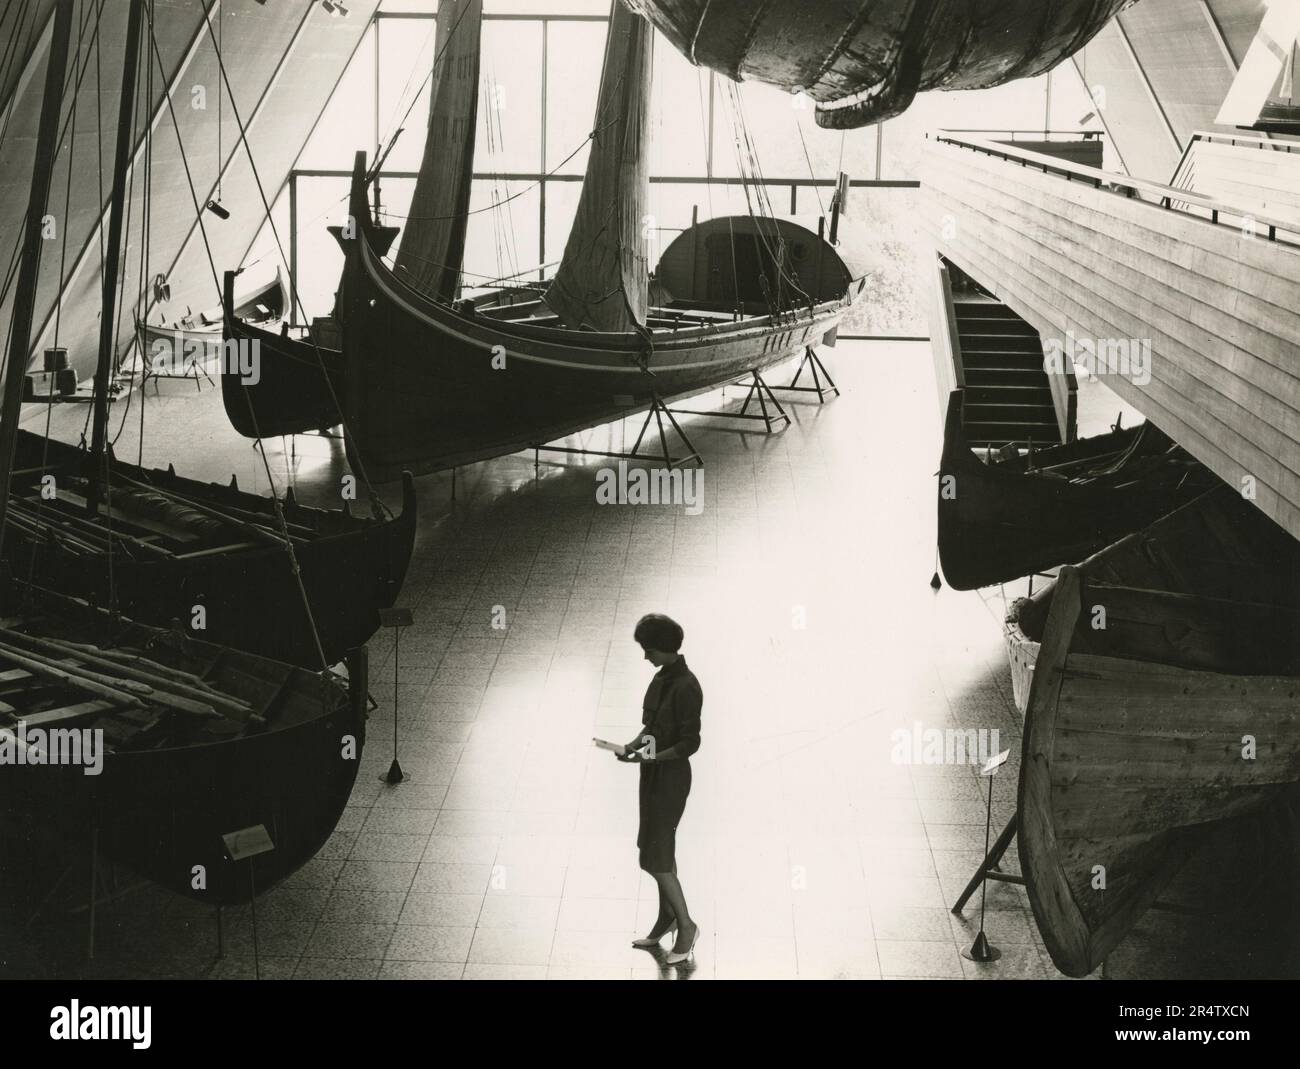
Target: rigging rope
275	498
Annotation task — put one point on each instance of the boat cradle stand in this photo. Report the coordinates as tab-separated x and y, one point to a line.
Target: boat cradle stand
757	388
988	869
813	363
657	411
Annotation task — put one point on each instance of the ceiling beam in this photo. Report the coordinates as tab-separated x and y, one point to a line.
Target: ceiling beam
1146	84
1097	109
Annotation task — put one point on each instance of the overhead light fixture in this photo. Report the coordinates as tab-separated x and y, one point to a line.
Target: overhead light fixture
334	8
216	209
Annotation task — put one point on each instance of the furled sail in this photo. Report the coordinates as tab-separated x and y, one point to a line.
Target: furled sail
864	60
603	279
433	244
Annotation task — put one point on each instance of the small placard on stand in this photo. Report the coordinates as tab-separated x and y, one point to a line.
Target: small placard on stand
982	950
244	845
248	842
397	618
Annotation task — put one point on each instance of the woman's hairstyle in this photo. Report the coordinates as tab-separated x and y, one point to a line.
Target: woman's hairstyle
658	632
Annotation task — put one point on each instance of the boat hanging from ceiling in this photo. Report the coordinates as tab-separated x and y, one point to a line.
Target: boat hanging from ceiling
299	584
863	61
151	744
1158	681
428	383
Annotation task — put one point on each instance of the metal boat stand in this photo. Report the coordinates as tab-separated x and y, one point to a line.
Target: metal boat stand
813	363
657	411
196	368
757	388
988	869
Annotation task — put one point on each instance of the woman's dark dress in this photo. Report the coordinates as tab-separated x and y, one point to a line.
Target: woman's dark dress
671	714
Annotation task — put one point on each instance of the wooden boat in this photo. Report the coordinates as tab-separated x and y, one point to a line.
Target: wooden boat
299	385
430	384
154	742
221	741
177	543
197	342
1159	681
864	61
297	584
1017	512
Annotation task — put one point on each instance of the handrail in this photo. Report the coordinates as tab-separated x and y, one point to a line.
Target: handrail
1180	200
1214	136
1040	133
1246	139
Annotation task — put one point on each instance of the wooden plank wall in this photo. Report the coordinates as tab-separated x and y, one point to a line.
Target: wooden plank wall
1221	311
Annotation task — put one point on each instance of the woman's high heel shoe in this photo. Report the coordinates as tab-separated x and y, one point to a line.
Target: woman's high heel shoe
647	943
674	958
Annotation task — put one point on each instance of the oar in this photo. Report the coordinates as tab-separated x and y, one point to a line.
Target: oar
120	657
42	667
129	690
154	680
253	530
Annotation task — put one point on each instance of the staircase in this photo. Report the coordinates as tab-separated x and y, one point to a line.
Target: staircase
1008	397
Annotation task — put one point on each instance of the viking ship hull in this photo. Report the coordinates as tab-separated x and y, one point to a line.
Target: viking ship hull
171	785
863	62
1001	520
1145	673
431	386
349	567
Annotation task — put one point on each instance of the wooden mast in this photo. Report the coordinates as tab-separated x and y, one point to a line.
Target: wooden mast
29	269
433	244
603	280
113	251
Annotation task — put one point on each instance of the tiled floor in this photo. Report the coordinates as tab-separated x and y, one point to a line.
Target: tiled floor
806	851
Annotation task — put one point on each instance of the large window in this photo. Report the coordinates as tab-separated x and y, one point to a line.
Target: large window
540	71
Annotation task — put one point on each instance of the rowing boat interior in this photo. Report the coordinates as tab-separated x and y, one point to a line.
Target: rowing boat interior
148	514
66	666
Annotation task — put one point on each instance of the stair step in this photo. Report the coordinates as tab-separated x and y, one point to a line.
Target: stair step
990	309
1004	412
1005	326
999	434
1000	342
1025	363
993	395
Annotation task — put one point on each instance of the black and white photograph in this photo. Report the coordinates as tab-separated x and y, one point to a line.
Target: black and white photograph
745	490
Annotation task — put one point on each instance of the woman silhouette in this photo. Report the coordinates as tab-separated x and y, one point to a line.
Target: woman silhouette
671	733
